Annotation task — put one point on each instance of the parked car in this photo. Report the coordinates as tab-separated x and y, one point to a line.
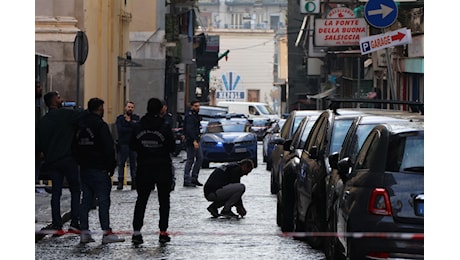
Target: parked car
260	126
325	138
267	145
287	174
314	174
228	139
352	143
289	127
383	192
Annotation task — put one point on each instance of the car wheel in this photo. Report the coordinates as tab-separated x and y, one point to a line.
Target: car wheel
332	250
254	160
273	188
287	202
268	166
312	225
205	164
298	225
278	210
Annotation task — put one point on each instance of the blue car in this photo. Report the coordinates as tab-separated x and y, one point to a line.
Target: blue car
228	139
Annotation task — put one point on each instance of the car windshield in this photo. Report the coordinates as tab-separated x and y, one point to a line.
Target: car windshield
227	126
265	110
406	153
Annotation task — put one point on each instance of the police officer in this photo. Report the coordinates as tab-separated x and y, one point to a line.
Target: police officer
153	140
192	145
96	156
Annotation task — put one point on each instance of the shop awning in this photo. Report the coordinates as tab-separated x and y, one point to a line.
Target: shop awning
321	95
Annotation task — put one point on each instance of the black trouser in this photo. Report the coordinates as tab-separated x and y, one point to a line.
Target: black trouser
146	179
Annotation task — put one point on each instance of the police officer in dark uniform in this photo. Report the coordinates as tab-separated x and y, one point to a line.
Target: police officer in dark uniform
96	156
154	142
192	130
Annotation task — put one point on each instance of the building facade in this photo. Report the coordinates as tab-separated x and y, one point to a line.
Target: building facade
106	25
342	71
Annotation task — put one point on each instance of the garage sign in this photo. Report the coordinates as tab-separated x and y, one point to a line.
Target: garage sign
385	40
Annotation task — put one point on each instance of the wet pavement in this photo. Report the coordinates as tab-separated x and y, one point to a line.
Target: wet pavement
194	234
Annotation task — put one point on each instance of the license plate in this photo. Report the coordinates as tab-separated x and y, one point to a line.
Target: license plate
177	141
240	150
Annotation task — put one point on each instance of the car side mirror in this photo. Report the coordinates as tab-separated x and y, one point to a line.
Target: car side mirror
287	145
334	160
344	168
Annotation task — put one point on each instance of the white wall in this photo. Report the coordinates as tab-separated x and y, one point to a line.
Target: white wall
251	58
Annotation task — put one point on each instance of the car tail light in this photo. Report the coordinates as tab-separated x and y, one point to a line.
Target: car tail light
379	203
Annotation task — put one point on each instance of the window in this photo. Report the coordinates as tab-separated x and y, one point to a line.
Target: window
338	135
368	150
357	140
406	153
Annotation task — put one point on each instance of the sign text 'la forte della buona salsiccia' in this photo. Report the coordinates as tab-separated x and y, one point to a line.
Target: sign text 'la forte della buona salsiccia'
341	28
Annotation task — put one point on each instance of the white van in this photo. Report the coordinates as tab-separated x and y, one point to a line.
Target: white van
249	109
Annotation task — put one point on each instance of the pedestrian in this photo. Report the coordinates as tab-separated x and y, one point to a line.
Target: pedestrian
153	140
166	115
125	124
224	189
192	127
38	114
96	155
56	131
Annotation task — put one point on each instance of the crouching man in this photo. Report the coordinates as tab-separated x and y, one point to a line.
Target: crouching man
224	189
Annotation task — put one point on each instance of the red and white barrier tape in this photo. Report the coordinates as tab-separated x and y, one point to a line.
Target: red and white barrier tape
389	235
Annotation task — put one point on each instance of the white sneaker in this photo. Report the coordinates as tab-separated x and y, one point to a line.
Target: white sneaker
85	237
110	237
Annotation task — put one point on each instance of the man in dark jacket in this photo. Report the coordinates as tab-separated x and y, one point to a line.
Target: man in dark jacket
192	128
154	142
96	156
55	134
223	188
125	124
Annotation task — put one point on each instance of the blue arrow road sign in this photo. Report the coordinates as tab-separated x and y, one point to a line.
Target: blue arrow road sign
381	13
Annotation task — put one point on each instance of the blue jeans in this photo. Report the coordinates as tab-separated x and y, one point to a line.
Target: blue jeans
123	154
95	182
66	167
194	158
